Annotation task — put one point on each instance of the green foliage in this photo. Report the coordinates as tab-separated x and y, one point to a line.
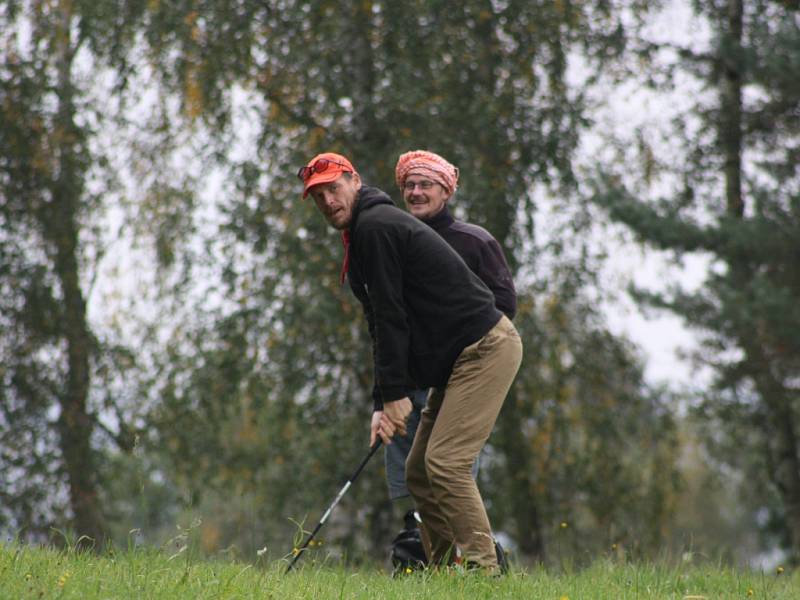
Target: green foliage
734	197
600	448
44	348
265	393
483	85
61	374
243	398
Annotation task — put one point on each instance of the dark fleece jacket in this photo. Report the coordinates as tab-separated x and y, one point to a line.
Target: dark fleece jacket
422	302
483	256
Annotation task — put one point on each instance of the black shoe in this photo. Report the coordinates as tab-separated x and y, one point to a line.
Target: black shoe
502	564
502	560
407	552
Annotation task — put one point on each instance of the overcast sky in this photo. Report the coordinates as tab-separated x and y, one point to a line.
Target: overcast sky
626	110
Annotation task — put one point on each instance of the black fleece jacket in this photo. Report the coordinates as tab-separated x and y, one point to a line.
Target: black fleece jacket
483	256
422	302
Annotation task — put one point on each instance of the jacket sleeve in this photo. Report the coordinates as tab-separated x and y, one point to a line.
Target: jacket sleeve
494	272
360	293
380	253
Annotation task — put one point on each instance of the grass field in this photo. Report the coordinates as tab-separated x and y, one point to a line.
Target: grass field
27	572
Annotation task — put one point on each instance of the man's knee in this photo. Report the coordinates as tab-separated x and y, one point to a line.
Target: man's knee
442	469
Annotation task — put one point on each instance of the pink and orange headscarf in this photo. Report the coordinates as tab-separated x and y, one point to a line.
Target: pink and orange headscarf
422	162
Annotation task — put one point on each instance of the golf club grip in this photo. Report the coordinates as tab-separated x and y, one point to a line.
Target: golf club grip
373	449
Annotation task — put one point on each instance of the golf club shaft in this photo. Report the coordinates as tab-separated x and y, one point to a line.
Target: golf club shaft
328	512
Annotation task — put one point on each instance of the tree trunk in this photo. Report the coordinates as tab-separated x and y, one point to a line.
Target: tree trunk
780	423
519	469
61	227
784	460
730	125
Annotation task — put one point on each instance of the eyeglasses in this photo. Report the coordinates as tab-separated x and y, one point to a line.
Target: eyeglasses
319	167
424	185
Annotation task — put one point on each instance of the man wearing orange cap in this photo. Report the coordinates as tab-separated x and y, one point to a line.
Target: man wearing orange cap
433	324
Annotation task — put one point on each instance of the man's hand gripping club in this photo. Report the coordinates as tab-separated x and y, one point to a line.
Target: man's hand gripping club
390	421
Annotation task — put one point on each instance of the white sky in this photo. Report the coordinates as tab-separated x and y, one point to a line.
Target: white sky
627	109
662	336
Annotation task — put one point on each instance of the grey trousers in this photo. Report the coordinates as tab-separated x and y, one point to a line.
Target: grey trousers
395	454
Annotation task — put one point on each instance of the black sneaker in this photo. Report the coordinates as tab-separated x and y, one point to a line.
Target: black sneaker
407	552
502	564
502	560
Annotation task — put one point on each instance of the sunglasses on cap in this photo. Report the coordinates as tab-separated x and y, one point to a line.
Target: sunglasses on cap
319	167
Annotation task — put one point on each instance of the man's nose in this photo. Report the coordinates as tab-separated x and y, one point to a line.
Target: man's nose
327	198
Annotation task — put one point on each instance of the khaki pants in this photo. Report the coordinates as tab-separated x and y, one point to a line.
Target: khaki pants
454	426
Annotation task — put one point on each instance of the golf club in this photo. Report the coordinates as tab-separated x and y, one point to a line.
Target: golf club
341	493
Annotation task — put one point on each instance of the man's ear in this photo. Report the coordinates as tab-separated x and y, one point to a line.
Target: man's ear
357	180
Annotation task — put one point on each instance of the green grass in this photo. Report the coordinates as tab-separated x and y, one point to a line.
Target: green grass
27	572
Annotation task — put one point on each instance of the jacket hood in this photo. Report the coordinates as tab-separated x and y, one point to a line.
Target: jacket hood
368	197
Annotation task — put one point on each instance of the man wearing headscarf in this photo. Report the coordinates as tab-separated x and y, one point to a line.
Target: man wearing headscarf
427	182
433	324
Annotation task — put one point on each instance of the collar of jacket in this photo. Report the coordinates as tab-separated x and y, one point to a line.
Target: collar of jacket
441	220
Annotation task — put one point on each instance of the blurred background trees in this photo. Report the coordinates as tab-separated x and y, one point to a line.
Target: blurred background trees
54	184
732	195
229	382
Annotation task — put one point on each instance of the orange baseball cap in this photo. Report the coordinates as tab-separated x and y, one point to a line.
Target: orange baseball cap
323	168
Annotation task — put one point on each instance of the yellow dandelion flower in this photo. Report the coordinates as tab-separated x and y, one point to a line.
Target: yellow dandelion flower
750	591
62	581
295	551
779	570
564	524
28	576
409	570
613	546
